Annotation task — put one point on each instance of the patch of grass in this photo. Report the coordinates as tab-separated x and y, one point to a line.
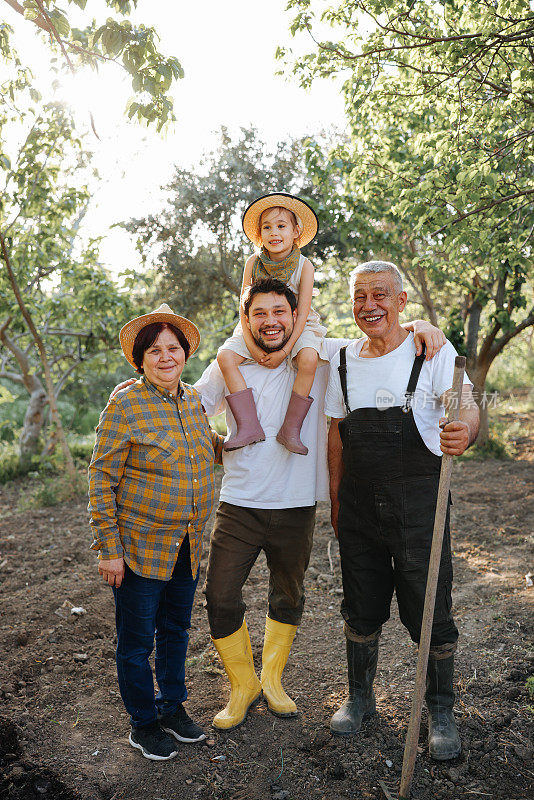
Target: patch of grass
54	490
511	424
493	448
530	686
11	466
81	447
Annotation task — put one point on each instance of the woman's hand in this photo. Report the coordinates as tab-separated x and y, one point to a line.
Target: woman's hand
120	386
432	337
273	360
112	570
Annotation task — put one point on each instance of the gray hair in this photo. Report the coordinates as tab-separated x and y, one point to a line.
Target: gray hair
376	266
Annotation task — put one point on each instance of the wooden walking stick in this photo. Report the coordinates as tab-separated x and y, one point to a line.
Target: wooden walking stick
412	737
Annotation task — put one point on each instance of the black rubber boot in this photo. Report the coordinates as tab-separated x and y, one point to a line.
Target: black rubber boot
443	739
362	659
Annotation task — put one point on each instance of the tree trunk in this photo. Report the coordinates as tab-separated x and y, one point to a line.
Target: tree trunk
35	416
427	300
33	424
473	326
478	376
54	413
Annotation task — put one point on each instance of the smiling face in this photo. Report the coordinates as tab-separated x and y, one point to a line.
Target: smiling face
278	232
377	304
164	361
271	321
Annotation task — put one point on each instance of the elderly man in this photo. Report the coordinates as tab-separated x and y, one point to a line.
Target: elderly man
384	451
268	498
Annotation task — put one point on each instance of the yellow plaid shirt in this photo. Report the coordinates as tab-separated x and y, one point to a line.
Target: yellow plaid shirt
151	478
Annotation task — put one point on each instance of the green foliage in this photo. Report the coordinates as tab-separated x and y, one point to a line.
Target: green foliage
11	466
530	687
133	47
440	105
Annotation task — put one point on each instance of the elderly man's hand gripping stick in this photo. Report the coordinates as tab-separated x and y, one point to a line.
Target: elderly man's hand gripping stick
456	436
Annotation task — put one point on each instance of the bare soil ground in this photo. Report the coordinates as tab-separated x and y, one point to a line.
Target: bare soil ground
63	729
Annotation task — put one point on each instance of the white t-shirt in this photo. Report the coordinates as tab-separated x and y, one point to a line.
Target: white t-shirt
381	383
266	475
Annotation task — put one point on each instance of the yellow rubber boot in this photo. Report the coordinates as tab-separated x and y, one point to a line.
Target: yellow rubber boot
236	655
276	646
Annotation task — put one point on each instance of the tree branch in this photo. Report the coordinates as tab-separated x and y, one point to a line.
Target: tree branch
499	344
56	35
497	202
30	381
40	21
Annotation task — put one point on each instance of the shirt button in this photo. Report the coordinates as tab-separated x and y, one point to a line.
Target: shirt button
195	480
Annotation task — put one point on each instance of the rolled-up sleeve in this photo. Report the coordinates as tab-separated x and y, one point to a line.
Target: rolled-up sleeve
113	441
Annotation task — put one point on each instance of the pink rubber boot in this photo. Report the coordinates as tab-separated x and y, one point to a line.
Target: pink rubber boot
249	430
289	433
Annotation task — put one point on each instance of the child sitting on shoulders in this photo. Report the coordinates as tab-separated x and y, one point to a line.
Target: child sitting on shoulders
280	224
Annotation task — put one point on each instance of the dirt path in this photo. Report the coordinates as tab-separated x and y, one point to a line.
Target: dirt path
63	729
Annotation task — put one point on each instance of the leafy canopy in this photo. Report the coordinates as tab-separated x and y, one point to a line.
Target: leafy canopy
133	47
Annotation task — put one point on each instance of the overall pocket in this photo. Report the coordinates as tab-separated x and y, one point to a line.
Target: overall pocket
374	449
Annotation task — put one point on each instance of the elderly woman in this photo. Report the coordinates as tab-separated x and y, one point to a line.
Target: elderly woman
151	493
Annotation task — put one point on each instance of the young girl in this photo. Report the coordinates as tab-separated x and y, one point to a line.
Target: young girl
280	224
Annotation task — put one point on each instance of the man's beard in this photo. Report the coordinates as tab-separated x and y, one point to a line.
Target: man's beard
267	346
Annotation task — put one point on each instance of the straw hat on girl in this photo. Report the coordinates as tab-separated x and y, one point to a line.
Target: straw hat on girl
306	216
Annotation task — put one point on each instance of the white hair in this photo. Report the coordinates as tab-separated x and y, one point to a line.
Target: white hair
376	266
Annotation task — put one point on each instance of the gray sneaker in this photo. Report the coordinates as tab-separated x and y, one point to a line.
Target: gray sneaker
154	743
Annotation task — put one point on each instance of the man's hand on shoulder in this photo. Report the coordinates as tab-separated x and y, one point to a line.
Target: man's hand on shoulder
120	386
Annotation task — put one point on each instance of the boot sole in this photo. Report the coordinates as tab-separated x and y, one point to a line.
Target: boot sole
233	727
366	716
280	714
239	446
447	757
283	714
289	447
151	756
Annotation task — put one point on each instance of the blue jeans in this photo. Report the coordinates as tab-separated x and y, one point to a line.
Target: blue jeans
145	607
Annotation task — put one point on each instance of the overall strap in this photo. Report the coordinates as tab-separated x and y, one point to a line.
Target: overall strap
342	369
412	383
